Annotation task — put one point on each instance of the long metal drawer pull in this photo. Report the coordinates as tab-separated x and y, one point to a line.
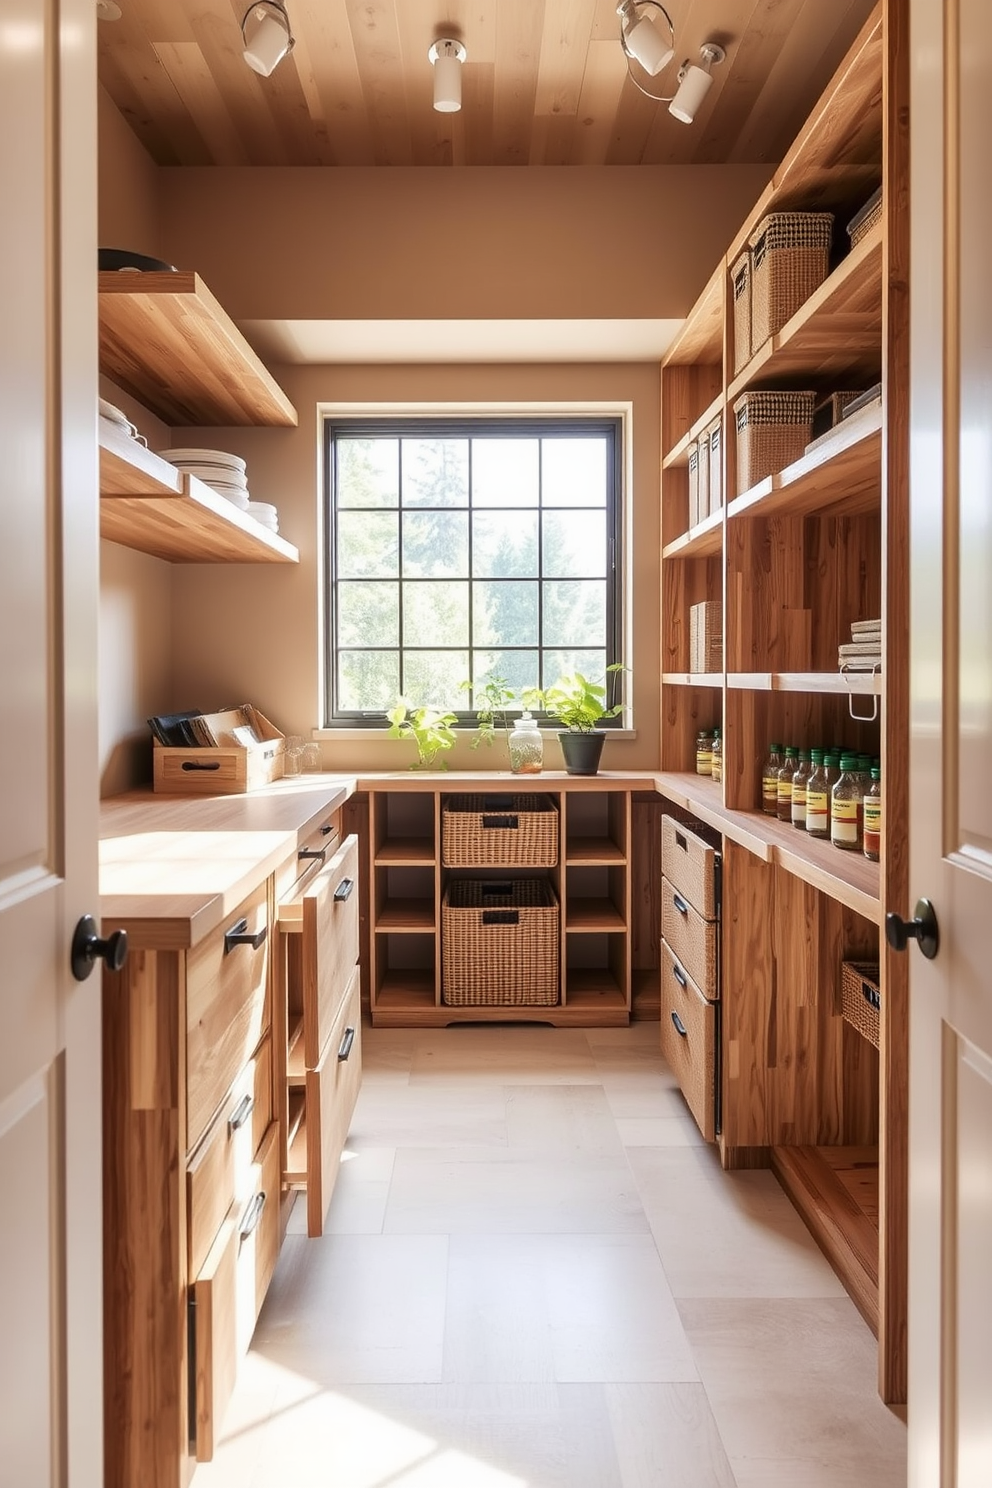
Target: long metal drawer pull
312	852
344	888
238	935
241	1112
252	1215
680	1027
680	904
679	974
201	764
501	917
346	1043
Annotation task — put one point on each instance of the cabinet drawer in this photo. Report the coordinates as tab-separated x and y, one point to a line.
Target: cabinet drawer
688	1040
331	1093
689	864
692	939
229	1290
220	1173
325	916
325	839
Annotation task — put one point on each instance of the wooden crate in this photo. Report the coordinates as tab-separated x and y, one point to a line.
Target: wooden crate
227	769
706	636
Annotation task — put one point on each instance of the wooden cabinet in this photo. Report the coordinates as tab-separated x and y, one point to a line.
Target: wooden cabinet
604	927
792	561
167	341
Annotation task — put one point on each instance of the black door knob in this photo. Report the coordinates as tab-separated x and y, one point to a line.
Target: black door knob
922	928
87	947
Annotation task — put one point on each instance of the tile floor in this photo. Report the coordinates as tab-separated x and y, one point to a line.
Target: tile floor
536	1276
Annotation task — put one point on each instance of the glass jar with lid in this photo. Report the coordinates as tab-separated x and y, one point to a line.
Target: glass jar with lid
526	746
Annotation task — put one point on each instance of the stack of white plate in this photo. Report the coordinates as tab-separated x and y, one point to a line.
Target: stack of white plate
118	420
264	513
222	472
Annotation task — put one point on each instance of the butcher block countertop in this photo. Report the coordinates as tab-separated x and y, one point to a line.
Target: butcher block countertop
172	868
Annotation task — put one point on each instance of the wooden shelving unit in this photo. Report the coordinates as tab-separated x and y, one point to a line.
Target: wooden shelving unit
170	344
146	504
794	560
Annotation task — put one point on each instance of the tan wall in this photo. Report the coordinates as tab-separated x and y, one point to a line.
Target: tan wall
129	207
496	242
251	633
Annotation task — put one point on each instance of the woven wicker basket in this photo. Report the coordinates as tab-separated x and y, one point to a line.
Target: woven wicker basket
499	943
740	280
790	255
861	997
499	831
861	225
715	436
773	429
706	636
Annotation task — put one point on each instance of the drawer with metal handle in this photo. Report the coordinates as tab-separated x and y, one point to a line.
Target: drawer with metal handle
688	1040
694	940
323	921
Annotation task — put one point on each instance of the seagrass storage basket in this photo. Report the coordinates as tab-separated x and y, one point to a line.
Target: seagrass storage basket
861	225
499	943
740	280
773	429
790	255
499	831
861	999
715	436
706	636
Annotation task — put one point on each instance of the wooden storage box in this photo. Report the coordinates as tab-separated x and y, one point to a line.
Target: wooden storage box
499	943
228	769
790	256
504	831
740	280
715	436
706	636
690	863
861	998
773	430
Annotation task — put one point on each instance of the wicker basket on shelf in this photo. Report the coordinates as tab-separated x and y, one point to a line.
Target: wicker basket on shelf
740	280
499	831
861	999
861	225
790	256
499	943
773	429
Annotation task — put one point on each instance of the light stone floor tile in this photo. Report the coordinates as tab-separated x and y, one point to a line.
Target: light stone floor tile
574	1120
361	1193
495	1191
507	1054
666	1437
796	1380
365	1309
659	1131
420	1116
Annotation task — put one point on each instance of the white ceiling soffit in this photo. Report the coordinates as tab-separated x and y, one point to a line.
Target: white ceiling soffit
318	342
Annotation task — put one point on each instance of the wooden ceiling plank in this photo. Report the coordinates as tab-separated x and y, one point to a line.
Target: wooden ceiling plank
480	83
518	55
335	71
135	109
564	45
671	142
602	84
632	126
736	80
431	133
380	66
218	34
148	79
195	84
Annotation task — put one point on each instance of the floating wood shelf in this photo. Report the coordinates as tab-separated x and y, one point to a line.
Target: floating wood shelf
145	503
701	336
693	679
862	684
170	344
705	540
843	474
405	852
409	916
587	915
588	852
679	454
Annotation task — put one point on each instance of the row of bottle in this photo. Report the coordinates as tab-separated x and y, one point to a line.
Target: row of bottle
827	793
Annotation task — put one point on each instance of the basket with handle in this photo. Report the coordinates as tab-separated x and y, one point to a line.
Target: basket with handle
499	943
499	831
740	283
790	256
861	998
773	429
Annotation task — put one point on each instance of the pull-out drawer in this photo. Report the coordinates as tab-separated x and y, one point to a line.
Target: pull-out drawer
229	1290
226	1008
688	1040
221	1171
692	939
689	863
292	875
325	917
331	1091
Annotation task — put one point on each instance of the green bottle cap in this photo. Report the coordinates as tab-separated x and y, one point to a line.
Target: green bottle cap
816	755
774	749
849	761
804	756
790	750
876	773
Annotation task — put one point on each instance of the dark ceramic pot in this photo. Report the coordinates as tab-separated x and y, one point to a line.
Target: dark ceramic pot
582	752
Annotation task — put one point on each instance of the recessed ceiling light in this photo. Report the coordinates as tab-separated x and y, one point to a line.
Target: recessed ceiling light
107	10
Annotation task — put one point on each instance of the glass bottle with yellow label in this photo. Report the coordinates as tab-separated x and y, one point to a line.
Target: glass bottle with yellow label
769	780
817	797
846	806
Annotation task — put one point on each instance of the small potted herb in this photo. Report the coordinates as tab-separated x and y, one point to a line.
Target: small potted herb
578	705
431	730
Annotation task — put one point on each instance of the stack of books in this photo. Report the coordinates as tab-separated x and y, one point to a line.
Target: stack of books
864	651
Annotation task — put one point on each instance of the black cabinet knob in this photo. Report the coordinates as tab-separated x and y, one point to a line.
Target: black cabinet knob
87	947
922	928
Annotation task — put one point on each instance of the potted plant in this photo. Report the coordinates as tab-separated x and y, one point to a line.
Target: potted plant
492	699
431	730
578	705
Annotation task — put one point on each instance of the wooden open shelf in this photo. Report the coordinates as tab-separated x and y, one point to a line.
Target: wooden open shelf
836	334
700	338
170	344
593	852
146	504
588	915
406	916
693	679
835	1190
705	540
405	852
863	684
848	877
679	454
843	475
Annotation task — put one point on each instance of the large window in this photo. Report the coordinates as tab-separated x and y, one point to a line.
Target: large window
465	550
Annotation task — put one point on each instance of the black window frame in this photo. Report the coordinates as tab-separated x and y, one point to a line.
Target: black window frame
472	426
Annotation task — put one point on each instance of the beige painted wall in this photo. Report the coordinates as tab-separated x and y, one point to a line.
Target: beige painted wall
130	213
251	633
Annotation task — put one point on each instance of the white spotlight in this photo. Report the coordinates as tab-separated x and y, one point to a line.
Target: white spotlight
695	83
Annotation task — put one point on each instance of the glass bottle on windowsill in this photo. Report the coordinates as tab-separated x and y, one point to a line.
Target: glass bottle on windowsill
526	746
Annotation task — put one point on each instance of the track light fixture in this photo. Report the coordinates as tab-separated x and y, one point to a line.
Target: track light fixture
695	82
641	38
267	36
446	57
